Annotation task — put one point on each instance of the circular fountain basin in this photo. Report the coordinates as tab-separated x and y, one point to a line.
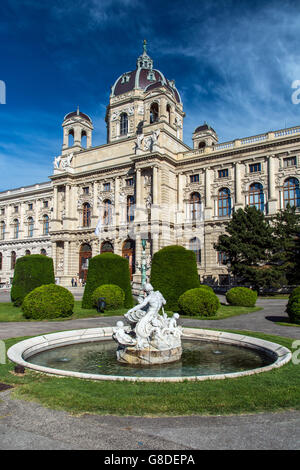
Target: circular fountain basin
232	355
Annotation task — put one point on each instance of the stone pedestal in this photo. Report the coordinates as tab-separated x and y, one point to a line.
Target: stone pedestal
148	356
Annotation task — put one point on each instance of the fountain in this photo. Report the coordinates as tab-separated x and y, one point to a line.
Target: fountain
148	337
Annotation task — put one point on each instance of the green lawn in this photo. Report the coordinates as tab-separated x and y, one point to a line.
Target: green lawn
10	313
276	390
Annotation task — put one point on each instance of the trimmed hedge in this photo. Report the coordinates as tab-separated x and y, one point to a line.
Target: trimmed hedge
30	272
173	272
114	296
49	301
199	301
107	268
241	296
208	288
293	306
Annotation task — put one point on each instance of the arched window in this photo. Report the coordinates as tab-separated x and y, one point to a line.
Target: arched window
86	215
71	138
196	248
201	145
107	247
224	202
107	212
27	252
153	113
2	230
1	261
256	196
195	205
16	228
13	258
30	226
45	224
43	252
169	113
83	139
291	192
123	124
130	208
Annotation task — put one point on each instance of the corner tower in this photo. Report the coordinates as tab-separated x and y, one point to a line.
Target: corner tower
76	127
140	100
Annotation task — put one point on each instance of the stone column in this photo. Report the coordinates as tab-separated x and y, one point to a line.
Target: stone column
272	202
66	258
238	186
208	199
180	203
138	195
55	202
117	207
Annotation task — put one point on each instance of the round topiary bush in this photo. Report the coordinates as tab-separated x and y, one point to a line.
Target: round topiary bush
199	301
30	272
295	292
293	310
173	272
114	296
208	288
48	301
241	296
293	306
107	268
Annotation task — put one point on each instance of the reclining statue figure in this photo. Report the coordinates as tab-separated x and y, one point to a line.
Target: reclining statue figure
146	327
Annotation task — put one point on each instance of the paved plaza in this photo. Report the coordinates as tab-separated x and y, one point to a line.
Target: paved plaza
25	425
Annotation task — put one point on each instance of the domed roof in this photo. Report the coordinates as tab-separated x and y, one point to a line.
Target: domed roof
144	77
76	114
204	127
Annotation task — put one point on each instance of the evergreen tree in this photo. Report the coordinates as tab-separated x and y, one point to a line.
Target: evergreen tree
286	254
248	246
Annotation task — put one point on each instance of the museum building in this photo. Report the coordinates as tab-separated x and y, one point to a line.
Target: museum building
145	183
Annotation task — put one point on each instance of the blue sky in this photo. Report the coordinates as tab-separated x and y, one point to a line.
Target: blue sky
233	62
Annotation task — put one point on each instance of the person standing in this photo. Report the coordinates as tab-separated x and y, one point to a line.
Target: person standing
72	281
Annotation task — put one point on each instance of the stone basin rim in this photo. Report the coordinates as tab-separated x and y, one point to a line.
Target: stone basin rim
20	352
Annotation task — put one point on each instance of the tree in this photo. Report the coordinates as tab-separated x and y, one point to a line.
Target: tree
248	246
286	253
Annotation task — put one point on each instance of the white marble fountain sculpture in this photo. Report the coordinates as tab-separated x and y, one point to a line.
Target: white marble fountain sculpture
148	337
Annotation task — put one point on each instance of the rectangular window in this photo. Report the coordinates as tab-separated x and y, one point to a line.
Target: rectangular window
222	258
45	204
106	187
291	161
223	173
86	190
255	167
2	211
194	178
16	209
129	182
30	206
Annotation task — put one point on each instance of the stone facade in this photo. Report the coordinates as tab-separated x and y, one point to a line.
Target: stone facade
145	183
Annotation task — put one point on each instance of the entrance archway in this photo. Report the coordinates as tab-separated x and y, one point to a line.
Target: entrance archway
85	254
128	252
106	247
